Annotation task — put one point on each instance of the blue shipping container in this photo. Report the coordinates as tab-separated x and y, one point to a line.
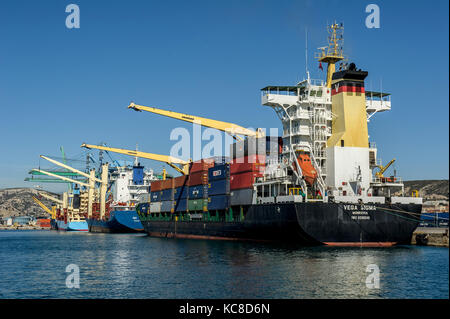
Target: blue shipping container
218	172
219	187
218	202
181	205
167	194
166	206
198	191
181	192
155	196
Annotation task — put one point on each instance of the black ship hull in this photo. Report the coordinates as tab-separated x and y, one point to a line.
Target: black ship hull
309	223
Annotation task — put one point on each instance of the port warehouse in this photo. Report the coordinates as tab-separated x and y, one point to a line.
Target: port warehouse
213	185
25	220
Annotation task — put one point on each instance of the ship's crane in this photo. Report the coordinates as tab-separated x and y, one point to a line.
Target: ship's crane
233	129
45	208
383	169
178	164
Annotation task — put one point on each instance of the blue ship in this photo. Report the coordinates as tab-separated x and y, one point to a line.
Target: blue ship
120	221
69	226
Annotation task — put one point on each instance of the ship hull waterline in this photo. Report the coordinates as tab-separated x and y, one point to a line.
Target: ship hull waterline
119	222
333	224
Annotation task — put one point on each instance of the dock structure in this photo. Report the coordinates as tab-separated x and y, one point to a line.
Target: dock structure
430	236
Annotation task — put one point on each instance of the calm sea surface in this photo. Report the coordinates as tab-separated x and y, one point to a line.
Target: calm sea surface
33	265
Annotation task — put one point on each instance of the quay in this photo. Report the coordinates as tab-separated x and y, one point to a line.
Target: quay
430	236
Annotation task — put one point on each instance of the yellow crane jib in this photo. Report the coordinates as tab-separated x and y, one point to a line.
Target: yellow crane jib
45	208
230	128
179	165
384	168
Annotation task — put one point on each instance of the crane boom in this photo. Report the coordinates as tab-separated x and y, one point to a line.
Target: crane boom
183	167
61	177
384	168
230	128
53	199
45	208
66	167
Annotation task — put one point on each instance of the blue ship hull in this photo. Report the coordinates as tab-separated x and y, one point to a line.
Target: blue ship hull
70	226
124	221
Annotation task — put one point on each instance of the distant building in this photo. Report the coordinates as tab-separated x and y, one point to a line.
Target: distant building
22	220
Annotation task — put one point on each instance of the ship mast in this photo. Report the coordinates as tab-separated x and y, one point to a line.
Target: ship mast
334	52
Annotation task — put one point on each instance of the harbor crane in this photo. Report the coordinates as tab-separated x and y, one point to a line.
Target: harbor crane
179	165
233	129
91	185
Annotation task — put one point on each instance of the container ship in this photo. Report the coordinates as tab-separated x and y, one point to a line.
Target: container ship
320	183
130	185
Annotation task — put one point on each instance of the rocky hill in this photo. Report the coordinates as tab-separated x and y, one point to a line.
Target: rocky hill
19	202
429	189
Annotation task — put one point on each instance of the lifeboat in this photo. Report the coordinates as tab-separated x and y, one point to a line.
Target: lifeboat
308	170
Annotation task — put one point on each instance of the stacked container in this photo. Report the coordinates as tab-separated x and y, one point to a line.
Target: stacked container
244	171
181	193
198	185
219	187
162	196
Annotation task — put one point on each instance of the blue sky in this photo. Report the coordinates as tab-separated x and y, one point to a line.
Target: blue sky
62	86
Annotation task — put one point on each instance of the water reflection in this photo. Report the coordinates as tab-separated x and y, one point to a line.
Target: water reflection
137	266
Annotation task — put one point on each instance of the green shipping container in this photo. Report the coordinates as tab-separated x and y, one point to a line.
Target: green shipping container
197	204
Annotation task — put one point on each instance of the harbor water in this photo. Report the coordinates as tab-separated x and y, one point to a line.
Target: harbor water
33	265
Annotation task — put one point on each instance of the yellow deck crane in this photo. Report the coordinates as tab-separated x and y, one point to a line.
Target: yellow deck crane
233	129
383	169
91	186
45	208
179	165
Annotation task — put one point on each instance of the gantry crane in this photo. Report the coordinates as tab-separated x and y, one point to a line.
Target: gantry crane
179	165
233	129
91	184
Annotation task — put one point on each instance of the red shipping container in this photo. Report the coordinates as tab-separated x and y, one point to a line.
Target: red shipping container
198	178
155	186
180	181
252	163
166	184
202	165
243	180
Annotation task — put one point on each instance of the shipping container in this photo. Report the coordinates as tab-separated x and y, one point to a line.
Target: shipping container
167	206
241	197
219	171
198	204
198	178
142	208
167	194
180	181
254	163
181	205
181	192
201	165
219	187
167	183
243	180
218	202
156	185
155	207
198	191
155	196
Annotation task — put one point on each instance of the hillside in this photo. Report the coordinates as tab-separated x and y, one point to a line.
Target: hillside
19	202
429	189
